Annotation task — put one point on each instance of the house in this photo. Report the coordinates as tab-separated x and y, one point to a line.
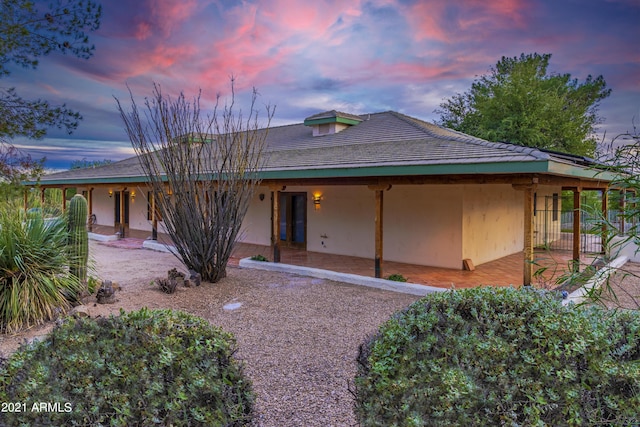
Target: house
383	186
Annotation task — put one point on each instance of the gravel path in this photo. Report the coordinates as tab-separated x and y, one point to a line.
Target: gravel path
298	337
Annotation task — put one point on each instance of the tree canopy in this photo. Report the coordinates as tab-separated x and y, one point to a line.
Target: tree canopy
28	31
520	102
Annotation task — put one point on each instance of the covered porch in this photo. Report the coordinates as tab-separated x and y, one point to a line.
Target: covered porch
505	271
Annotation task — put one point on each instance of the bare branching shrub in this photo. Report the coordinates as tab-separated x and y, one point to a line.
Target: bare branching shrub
202	169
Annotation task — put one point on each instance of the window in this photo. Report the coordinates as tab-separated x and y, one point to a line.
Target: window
555	202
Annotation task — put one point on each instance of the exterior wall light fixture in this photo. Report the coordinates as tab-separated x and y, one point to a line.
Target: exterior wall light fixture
110	193
317	198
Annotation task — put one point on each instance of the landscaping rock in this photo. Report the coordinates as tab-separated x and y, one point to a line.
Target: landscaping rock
106	293
80	311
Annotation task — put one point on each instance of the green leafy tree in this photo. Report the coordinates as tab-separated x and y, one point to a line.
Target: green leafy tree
520	102
84	163
28	31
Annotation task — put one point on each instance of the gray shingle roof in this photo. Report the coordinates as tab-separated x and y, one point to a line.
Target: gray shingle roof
380	139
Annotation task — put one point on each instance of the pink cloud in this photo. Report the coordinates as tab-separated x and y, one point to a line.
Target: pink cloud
444	21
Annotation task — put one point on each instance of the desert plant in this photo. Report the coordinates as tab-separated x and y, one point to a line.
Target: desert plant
168	286
143	368
203	172
34	281
77	215
501	356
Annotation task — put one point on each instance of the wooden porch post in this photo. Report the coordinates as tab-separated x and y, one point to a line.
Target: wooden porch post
528	228
576	228
605	215
275	223
90	207
26	199
528	235
64	199
42	198
154	217
122	202
623	197
379	227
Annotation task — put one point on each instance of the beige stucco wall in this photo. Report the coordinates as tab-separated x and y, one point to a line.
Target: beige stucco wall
256	227
492	224
437	225
102	206
422	225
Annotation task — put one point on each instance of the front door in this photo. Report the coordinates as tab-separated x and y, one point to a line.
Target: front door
293	220
121	212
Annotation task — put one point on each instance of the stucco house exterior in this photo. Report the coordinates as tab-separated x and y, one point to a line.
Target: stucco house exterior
384	186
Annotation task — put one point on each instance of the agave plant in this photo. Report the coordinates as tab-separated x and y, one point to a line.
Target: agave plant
35	283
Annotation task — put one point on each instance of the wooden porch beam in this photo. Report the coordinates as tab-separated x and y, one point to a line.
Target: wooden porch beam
517	178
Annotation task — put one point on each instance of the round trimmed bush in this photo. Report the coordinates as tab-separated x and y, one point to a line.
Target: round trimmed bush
143	368
501	356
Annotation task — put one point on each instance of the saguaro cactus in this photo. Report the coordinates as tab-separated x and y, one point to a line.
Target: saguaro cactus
78	237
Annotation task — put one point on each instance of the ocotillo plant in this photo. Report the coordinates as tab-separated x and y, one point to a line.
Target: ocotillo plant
78	237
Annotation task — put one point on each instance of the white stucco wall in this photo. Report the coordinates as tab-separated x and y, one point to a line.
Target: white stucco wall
493	217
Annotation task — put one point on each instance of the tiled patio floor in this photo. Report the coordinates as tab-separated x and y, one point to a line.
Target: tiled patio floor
501	272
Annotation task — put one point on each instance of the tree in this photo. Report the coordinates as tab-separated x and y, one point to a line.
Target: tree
520	102
84	163
28	32
202	172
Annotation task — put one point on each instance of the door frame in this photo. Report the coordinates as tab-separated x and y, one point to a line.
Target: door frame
288	205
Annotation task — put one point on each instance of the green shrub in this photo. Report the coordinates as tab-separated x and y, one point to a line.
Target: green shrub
500	356
149	367
34	281
396	277
259	258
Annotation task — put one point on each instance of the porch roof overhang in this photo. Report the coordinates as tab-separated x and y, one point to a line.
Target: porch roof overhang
546	171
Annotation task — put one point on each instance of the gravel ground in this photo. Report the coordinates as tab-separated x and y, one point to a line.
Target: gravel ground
298	337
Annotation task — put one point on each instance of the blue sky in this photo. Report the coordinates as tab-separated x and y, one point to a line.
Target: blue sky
306	57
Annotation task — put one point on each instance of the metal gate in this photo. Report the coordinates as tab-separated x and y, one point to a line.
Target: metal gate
553	227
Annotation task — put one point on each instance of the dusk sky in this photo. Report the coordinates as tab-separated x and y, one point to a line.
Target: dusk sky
305	57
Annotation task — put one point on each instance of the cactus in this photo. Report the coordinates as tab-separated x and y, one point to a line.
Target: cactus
78	237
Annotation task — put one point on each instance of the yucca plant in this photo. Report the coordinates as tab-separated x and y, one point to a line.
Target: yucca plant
35	283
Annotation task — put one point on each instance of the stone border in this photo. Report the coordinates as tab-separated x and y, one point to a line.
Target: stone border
354	279
102	237
154	245
596	281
